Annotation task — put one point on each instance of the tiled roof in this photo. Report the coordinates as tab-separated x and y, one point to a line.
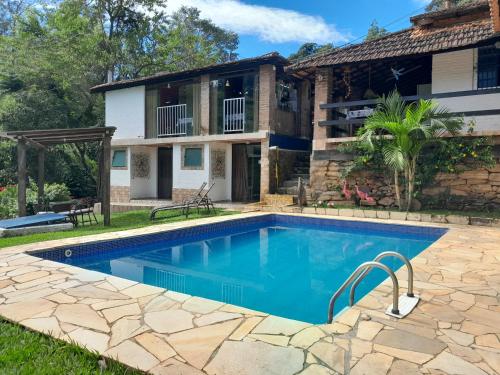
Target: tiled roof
409	42
269	58
454	11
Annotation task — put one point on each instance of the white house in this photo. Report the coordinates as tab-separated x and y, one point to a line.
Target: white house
218	124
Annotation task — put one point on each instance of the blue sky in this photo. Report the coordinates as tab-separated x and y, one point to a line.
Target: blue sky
283	25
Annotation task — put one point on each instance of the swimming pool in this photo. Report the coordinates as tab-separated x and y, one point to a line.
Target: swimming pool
284	265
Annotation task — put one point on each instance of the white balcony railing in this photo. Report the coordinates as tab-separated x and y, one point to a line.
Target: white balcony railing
234	115
172	120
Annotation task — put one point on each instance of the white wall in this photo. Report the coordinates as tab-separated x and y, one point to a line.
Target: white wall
145	187
222	188
125	109
457	71
121	177
192	179
189	179
453	71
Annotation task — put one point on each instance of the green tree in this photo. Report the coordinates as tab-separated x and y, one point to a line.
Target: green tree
51	56
308	49
409	127
440	4
375	31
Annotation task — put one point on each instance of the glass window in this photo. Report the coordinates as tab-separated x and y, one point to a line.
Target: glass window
119	159
488	67
241	94
192	157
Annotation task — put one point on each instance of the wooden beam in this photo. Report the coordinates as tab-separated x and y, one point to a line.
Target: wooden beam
41	179
21	177
106	180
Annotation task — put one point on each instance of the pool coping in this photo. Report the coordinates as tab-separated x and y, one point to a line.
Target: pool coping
167	332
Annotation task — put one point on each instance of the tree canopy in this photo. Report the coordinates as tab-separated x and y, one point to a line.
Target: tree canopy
375	31
51	55
308	49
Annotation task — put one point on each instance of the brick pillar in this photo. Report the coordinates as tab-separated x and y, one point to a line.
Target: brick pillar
322	94
267	97
264	168
305	109
205	104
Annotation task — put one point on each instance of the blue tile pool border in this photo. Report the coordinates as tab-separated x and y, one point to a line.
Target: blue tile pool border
227	227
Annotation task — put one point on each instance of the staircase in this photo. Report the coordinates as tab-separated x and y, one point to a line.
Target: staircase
300	169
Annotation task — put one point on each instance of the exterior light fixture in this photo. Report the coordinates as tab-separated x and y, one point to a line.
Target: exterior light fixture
227	83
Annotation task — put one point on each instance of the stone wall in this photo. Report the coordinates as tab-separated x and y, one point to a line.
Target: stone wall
475	189
120	194
179	195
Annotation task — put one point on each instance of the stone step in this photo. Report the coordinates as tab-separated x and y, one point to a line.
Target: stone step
293	190
292	183
295	176
301	170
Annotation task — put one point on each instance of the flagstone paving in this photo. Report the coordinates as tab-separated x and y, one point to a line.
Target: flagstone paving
455	329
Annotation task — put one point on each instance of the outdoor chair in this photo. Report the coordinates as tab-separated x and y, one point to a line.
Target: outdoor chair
85	210
202	201
182	206
65	208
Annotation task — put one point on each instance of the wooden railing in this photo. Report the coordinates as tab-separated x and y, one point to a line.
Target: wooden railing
349	116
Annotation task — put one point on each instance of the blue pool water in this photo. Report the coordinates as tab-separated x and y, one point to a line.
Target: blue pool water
282	265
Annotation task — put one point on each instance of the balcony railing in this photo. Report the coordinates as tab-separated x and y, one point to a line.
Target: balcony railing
234	115
347	117
172	120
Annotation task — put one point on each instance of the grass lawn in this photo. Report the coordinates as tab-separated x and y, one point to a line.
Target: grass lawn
119	221
26	352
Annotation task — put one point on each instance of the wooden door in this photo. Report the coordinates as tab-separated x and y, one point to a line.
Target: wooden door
165	173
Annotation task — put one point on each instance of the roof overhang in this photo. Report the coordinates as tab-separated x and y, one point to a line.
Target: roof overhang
243	64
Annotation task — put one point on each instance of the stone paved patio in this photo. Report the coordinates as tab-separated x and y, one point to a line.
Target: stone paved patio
455	329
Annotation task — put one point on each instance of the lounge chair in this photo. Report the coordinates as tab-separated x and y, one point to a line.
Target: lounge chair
184	206
203	200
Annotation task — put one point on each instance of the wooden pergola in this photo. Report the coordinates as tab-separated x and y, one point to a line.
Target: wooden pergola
42	139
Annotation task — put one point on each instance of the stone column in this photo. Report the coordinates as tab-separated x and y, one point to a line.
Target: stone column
322	95
205	104
267	97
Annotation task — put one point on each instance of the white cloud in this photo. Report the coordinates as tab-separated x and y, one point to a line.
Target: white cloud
276	25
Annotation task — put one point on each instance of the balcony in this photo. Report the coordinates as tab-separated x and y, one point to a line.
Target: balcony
172	120
234	115
479	105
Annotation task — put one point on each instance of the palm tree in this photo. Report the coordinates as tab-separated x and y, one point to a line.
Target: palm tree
408	128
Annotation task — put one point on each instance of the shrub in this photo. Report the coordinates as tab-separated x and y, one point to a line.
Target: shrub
8	198
8	202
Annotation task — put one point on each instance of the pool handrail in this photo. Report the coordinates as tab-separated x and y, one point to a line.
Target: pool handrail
363	267
378	258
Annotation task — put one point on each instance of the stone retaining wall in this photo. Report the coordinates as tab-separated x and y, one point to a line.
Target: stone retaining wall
476	189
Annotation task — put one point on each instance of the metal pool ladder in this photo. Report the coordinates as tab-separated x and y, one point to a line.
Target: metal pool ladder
401	305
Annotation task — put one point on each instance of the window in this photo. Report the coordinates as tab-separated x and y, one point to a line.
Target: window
119	159
488	67
192	157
